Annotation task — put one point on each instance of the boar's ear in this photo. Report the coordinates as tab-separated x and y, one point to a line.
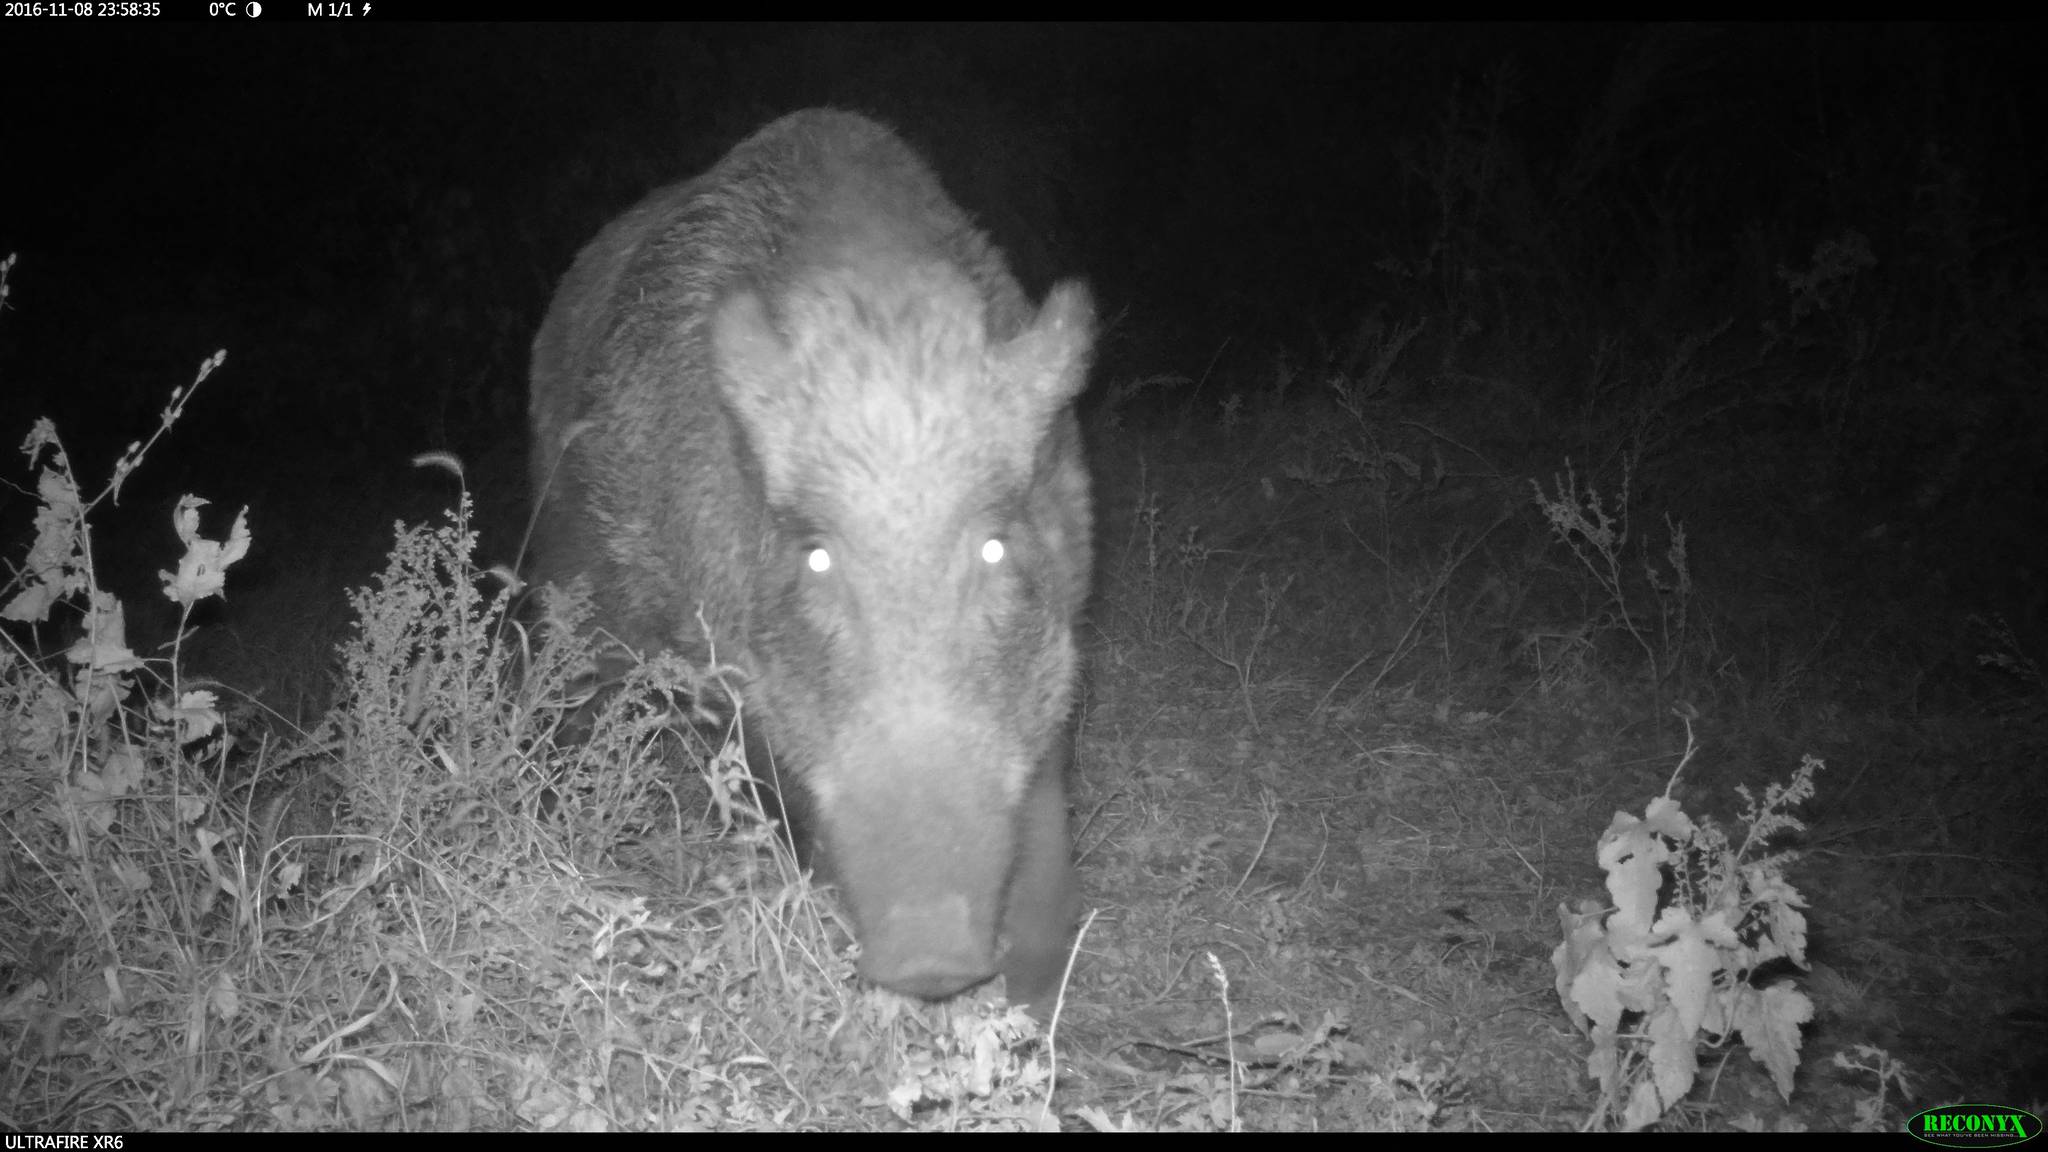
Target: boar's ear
1049	360
760	377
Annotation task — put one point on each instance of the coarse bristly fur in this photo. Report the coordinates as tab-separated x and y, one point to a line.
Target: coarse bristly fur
803	394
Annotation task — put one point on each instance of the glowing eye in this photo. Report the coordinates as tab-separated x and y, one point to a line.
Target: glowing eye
818	560
992	551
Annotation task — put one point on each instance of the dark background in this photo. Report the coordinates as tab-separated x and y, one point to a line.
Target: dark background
370	217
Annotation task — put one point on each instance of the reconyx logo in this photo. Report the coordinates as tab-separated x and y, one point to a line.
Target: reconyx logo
1975	1126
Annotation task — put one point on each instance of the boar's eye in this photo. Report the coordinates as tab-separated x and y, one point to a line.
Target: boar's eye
817	559
992	551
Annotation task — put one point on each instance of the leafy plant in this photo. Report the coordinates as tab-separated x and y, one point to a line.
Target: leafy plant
1689	952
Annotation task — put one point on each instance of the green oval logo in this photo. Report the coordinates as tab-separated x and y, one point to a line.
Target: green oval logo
1975	1126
